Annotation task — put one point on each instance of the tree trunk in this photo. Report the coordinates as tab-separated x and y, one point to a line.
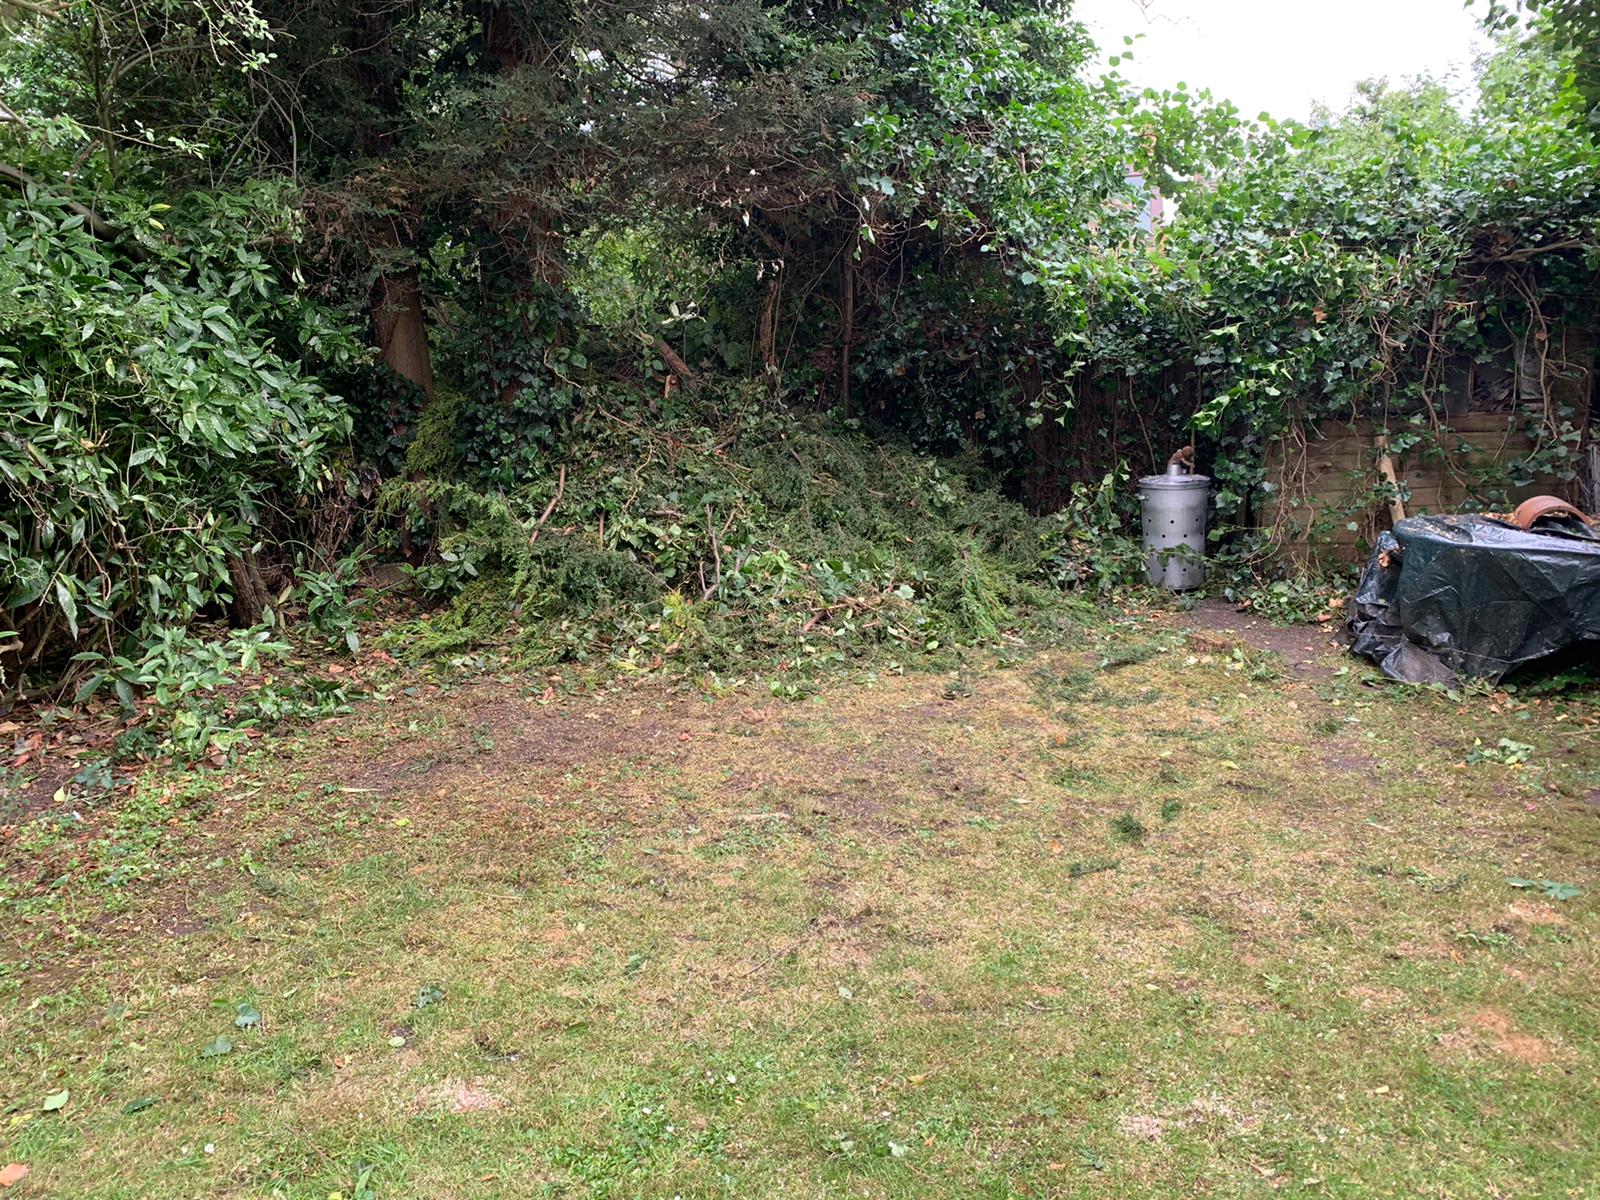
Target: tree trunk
398	323
505	43
847	324
250	597
400	329
768	337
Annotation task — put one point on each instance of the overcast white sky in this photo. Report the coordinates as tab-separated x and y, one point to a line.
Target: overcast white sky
1281	56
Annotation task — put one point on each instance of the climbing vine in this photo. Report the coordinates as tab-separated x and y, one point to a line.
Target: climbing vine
1351	269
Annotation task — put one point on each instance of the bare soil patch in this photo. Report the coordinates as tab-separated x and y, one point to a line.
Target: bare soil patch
1490	1029
1300	646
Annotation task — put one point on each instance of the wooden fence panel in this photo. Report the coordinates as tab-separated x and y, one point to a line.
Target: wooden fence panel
1329	481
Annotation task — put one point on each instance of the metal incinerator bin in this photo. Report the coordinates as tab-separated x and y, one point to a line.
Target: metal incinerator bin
1174	507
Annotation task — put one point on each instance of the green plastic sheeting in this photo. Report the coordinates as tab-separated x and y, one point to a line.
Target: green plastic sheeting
1448	598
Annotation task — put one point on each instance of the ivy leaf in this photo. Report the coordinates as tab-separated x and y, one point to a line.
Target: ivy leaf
247	1016
28	582
1551	888
428	995
56	1101
217	1047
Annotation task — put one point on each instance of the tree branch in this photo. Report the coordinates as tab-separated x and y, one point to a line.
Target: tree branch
1532	251
676	364
28	8
97	225
561	486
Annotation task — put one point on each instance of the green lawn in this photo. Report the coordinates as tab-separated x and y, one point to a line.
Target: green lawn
1153	918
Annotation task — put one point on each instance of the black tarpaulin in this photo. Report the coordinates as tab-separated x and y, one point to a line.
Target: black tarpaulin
1452	597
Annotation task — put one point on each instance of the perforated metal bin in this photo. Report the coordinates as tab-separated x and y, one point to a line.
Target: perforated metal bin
1174	507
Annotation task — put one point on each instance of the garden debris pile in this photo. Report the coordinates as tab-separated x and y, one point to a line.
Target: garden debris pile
769	542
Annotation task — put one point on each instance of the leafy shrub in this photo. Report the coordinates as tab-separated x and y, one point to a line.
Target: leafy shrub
1092	548
325	597
195	698
150	433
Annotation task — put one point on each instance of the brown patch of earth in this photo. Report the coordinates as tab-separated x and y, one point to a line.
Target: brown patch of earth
21	800
1201	1112
1142	1128
1534	913
1376	997
1204	1110
1351	762
1300	646
1488	1028
1436	951
522	758
525	732
458	1096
